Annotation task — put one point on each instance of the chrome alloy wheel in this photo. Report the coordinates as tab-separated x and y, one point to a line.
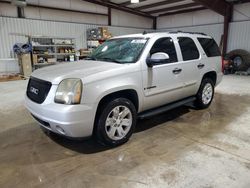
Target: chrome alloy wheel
207	93
118	122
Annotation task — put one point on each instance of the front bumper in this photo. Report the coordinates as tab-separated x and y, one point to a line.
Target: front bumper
75	121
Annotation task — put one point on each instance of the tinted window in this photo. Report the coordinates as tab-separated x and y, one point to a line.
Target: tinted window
210	47
188	49
165	45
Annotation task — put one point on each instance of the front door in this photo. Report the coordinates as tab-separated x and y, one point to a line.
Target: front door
162	82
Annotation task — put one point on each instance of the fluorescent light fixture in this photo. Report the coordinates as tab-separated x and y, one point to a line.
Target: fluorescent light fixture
134	1
19	3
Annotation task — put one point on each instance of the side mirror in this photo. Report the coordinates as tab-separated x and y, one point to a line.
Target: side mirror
157	59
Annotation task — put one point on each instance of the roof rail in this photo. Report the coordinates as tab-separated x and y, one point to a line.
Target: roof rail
147	32
199	33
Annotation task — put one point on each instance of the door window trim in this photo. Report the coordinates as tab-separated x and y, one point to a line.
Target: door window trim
195	46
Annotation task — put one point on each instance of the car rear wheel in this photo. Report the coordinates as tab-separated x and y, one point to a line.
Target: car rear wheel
205	94
116	122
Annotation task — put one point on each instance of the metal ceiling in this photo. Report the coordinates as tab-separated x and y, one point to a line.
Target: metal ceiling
154	8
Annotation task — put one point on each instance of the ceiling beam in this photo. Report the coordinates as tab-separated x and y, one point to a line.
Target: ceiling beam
129	3
245	1
218	6
227	20
59	9
158	4
118	7
183	11
173	8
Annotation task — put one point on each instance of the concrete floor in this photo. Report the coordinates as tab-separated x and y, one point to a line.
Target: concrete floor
181	148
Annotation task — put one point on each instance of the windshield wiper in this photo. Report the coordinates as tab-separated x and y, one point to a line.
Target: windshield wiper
90	58
110	59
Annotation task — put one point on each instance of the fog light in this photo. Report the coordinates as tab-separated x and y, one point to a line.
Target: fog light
60	130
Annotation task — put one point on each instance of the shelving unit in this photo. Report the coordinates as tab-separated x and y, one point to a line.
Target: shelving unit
97	36
52	50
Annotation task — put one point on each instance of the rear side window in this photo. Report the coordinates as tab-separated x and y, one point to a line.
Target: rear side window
165	45
210	47
188	49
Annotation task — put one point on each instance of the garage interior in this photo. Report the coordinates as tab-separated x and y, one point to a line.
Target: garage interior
183	147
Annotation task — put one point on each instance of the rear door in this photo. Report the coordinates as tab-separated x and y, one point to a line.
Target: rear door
190	64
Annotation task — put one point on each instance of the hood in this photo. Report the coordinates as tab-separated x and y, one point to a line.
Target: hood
55	74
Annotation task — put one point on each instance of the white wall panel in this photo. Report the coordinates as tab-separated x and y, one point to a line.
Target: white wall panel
241	12
70	4
239	33
58	15
189	19
47	28
206	17
121	18
209	22
8	10
9	66
85	6
239	36
214	30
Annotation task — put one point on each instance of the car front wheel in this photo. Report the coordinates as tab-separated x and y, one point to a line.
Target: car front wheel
116	122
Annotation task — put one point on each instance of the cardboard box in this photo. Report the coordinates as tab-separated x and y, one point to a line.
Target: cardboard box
98	33
26	66
35	59
51	60
61	50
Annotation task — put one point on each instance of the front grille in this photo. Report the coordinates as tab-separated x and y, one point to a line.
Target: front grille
38	90
44	123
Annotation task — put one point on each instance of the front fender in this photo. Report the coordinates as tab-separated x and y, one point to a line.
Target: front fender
94	92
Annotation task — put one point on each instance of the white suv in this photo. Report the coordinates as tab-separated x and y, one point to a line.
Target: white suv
125	78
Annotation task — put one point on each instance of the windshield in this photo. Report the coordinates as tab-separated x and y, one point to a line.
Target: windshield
120	50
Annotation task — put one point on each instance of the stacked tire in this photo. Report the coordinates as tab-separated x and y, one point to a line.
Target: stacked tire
240	59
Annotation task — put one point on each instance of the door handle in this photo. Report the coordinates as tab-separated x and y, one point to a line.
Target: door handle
177	71
200	66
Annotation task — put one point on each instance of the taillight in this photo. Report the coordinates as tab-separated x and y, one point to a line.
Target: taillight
222	65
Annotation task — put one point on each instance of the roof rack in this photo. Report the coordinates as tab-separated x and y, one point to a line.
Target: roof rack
147	32
199	33
172	32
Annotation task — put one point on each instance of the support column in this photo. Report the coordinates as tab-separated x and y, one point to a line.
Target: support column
20	12
155	23
227	20
109	16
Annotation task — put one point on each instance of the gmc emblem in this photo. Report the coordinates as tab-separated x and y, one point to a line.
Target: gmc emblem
34	90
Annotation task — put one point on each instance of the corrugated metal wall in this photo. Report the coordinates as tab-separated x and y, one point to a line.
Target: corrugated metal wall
239	36
46	28
239	33
214	30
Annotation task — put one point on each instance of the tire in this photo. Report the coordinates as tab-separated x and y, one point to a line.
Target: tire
111	127
240	59
205	94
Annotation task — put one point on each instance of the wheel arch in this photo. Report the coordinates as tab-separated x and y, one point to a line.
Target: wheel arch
212	75
130	94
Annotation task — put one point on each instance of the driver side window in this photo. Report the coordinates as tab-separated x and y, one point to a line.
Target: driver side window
165	45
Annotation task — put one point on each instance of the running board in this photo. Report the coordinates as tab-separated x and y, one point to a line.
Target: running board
165	108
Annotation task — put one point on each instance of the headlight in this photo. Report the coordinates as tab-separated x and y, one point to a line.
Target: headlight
69	91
